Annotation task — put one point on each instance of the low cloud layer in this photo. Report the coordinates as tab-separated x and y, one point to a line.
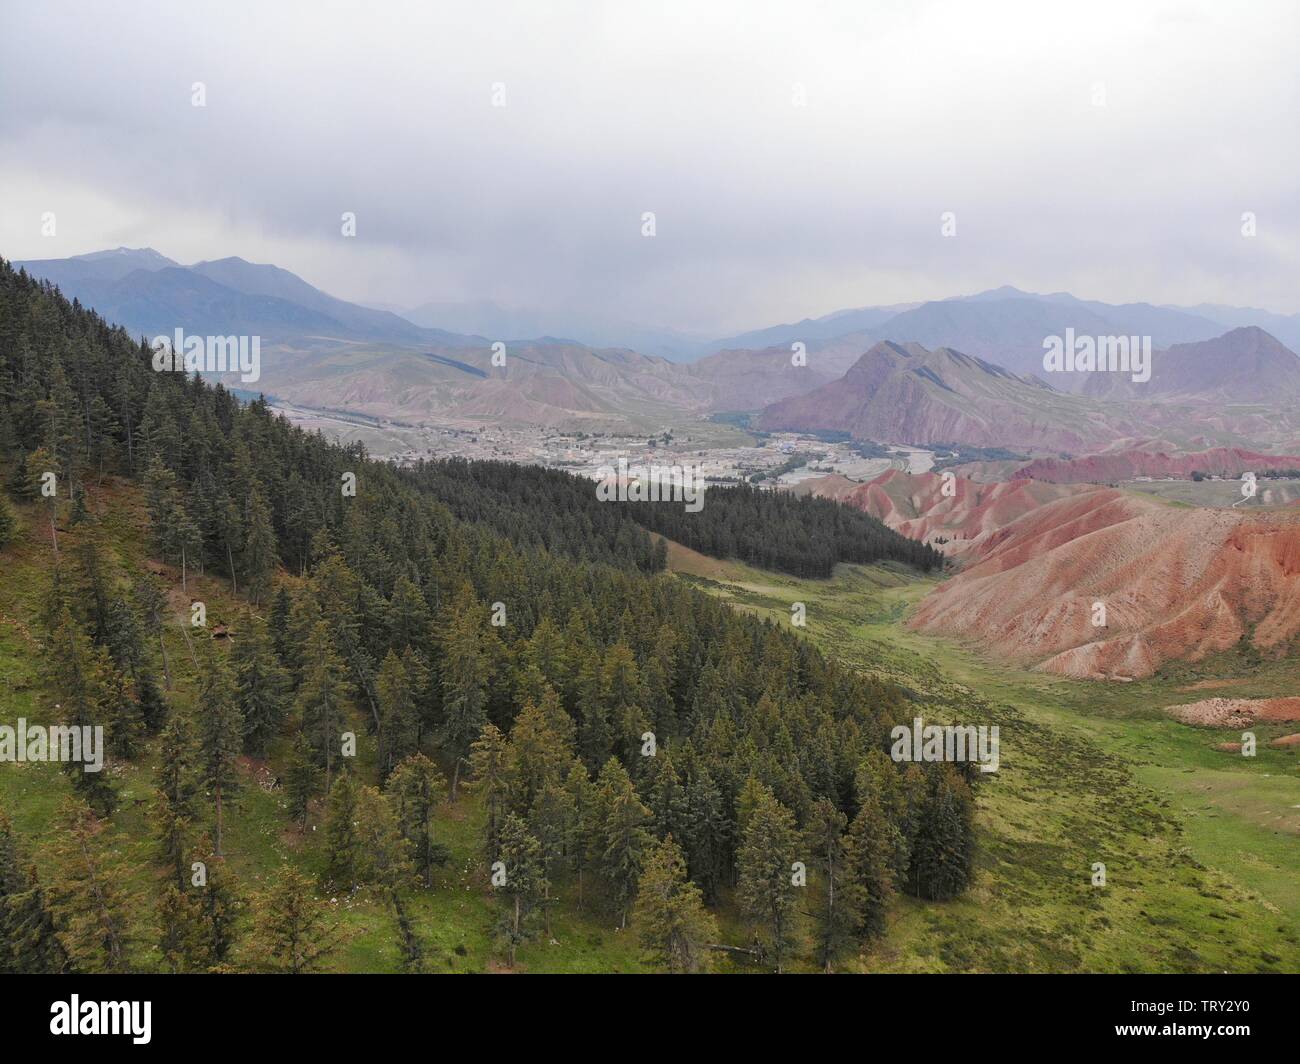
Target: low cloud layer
798	157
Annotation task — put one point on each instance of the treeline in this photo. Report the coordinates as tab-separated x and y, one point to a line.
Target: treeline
636	746
802	536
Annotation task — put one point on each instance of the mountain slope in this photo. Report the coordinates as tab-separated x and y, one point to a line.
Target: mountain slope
898	393
1176	583
1245	365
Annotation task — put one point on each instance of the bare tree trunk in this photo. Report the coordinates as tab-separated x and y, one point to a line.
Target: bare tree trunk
167	672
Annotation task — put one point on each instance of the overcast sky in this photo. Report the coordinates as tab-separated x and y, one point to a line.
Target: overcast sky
765	210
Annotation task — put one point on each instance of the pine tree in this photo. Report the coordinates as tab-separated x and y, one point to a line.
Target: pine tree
523	885
581	792
12	882
550	822
765	891
707	833
259	556
537	756
871	850
398	716
8	523
385	860
79	675
623	838
322	698
216	908
671	922
838	915
177	930
151	606
32	940
39	463
292	930
220	736
413	789
301	779
260	685
489	764
175	807
464	684
85	894
342	840
943	853
408	615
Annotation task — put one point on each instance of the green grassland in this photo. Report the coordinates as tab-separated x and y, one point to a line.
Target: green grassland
1202	849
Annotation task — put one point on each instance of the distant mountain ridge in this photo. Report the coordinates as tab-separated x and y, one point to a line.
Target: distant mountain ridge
150	294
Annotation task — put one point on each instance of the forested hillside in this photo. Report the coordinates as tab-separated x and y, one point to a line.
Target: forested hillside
776	530
437	643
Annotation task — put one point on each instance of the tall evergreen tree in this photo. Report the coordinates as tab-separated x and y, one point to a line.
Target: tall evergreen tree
413	790
85	893
260	685
322	699
523	885
623	838
766	892
671	922
292	931
220	736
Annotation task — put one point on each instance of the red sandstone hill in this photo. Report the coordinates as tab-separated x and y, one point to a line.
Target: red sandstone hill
915	504
1176	582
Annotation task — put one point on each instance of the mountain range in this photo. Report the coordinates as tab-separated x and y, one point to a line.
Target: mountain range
963	370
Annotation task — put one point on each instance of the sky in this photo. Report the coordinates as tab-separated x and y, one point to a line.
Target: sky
798	158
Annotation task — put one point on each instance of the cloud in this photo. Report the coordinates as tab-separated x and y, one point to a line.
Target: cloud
766	210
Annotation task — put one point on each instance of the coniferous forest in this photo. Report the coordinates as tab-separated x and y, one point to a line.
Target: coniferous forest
776	530
492	638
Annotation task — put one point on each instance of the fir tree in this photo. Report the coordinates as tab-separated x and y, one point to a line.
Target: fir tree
260	685
413	790
521	883
765	891
292	929
342	840
301	779
623	837
85	897
220	737
671	922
